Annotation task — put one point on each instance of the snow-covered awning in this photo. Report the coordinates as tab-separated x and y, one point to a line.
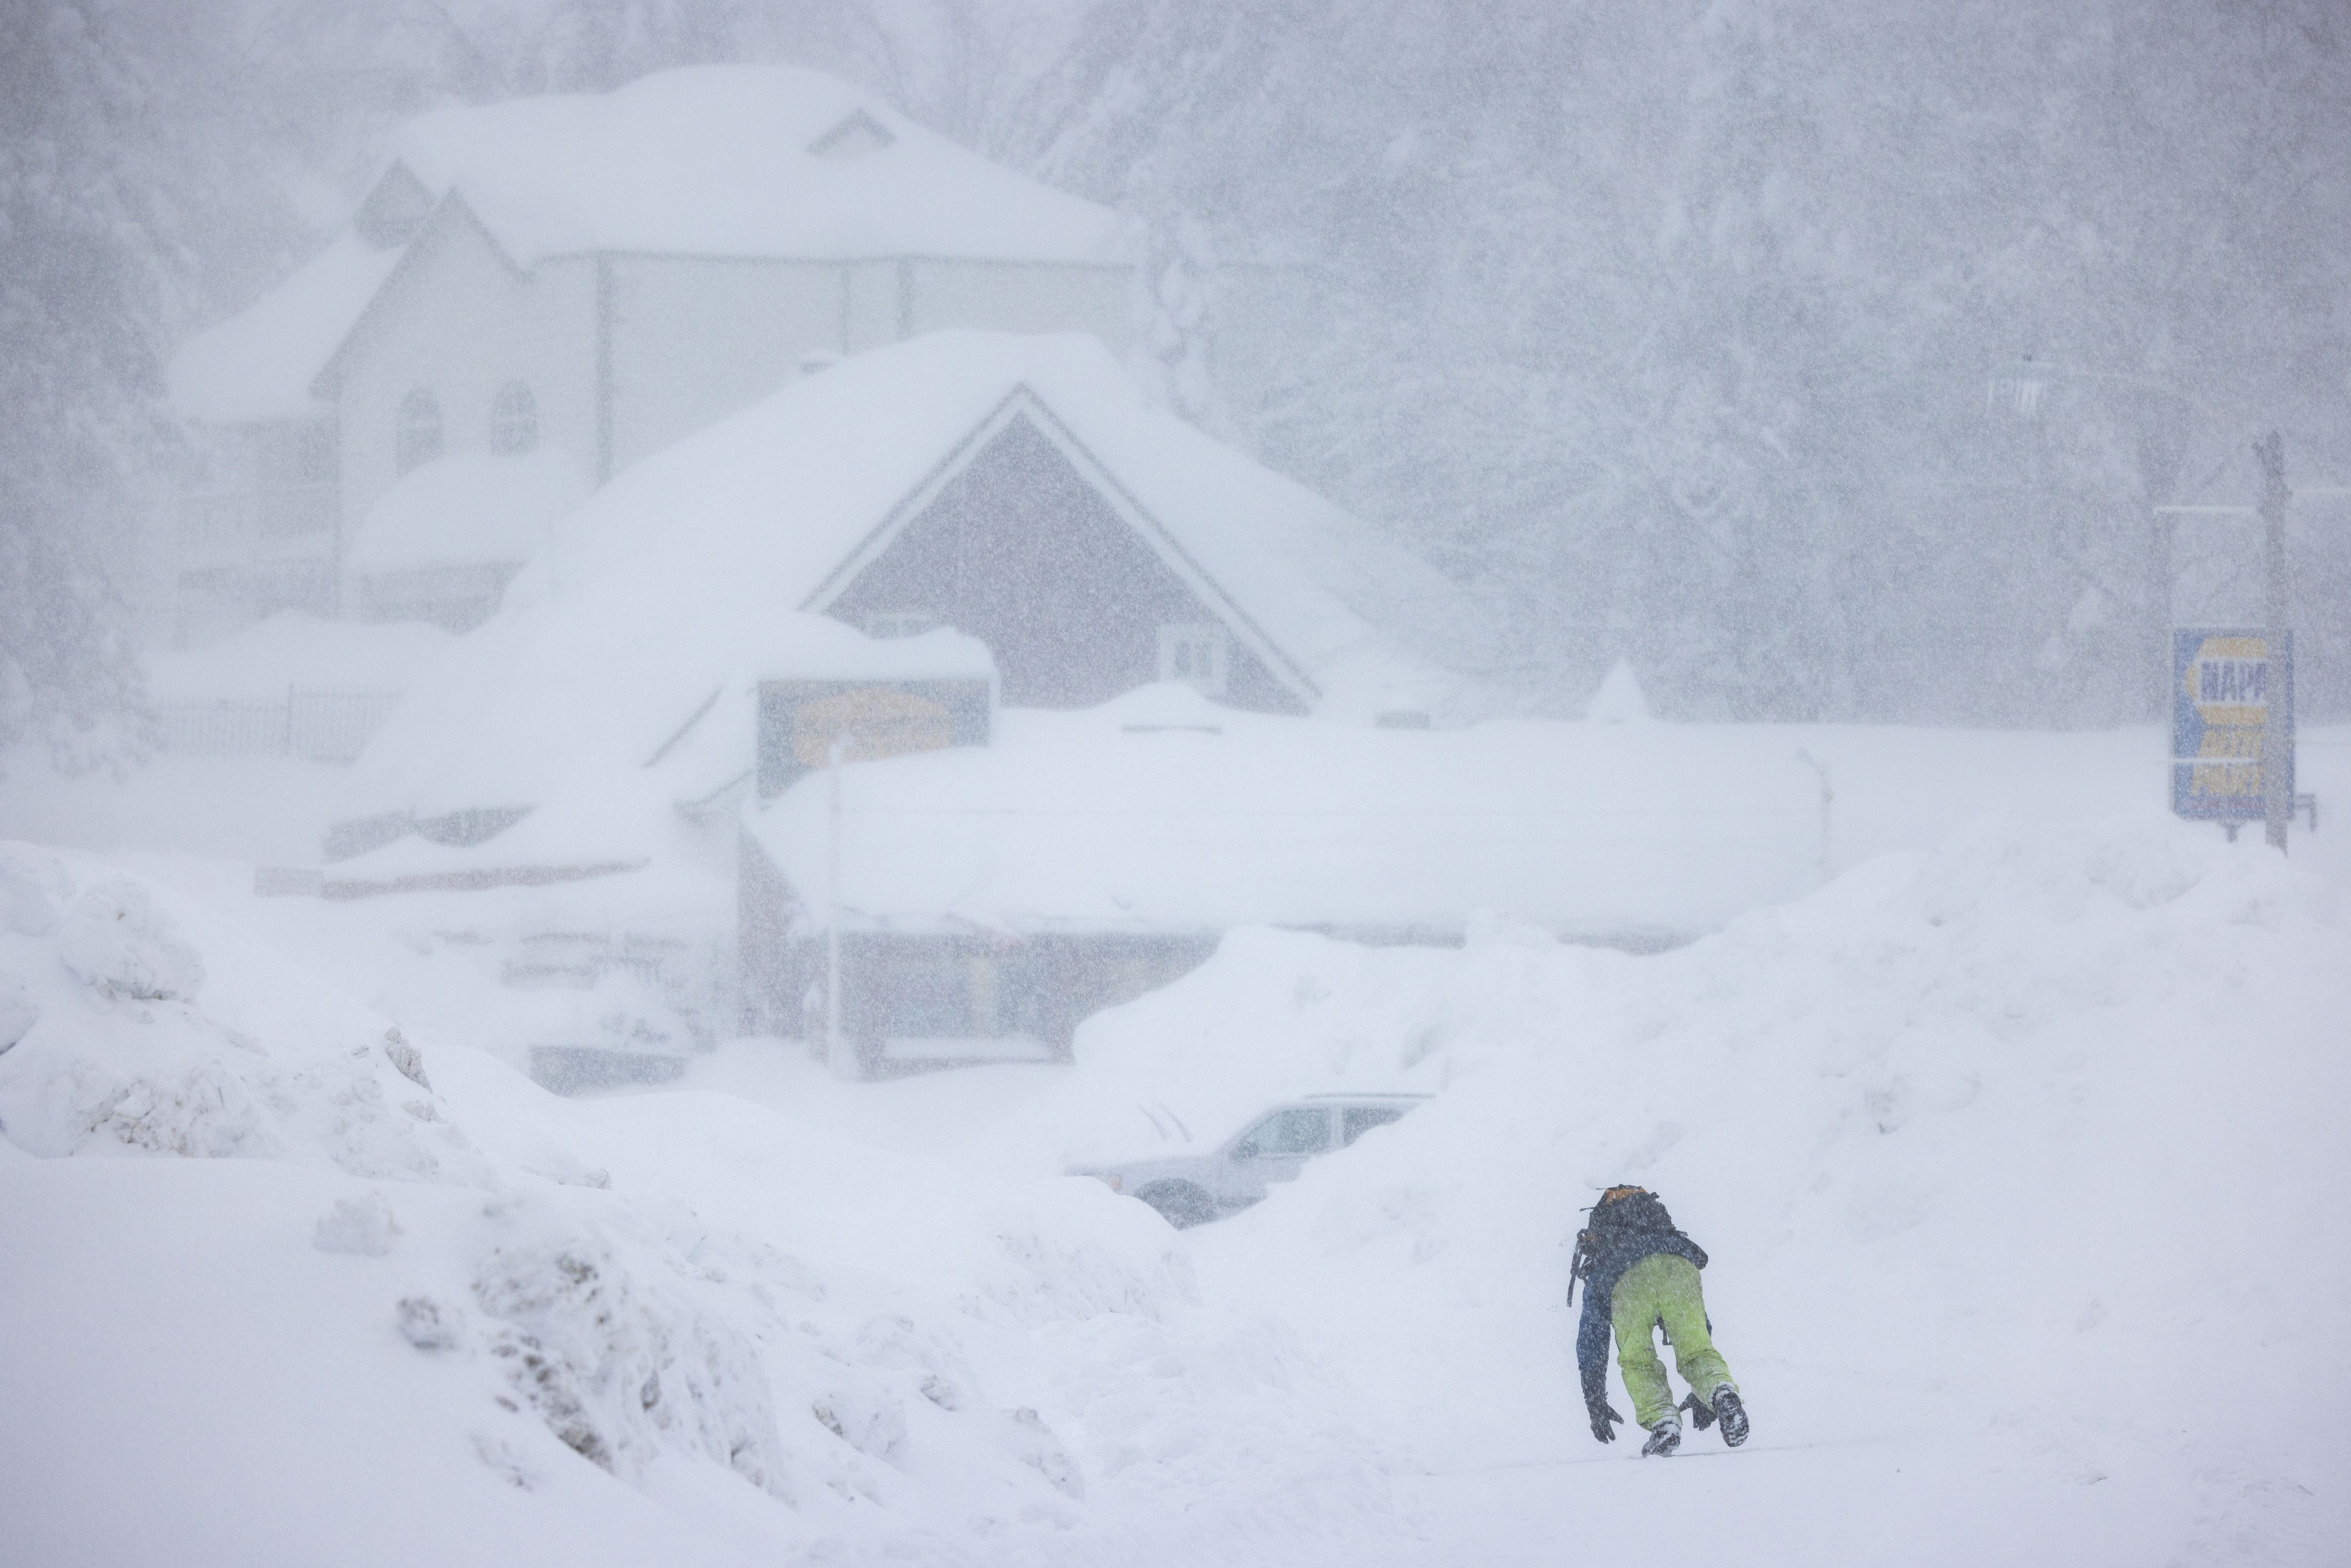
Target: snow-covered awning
1164	813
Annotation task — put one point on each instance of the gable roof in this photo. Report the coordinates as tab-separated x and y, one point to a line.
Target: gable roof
668	576
712	161
1022	403
260	364
733	161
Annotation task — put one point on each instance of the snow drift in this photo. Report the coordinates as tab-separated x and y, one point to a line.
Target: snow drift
278	1253
2020	1163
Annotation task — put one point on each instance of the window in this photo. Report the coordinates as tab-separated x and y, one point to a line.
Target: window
1194	654
1355	1121
417	439
899	623
1294	1130
514	420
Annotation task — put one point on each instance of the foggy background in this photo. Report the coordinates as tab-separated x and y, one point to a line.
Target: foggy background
1668	330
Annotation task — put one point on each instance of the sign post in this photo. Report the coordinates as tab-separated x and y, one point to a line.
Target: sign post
2277	734
2231	712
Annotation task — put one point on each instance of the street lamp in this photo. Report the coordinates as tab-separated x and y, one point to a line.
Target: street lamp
2019	386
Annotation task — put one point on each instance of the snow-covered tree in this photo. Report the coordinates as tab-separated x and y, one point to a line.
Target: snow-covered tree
85	250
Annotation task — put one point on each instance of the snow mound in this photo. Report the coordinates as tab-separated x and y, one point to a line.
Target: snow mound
114	938
115	1052
762	1335
1987	1144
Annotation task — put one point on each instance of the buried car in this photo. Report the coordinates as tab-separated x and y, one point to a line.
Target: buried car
1193	1188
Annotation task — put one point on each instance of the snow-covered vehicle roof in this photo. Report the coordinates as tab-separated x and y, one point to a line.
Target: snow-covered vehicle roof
706	161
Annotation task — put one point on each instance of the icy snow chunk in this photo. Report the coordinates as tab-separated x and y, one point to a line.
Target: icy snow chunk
114	938
621	1370
1042	1452
427	1324
361	1227
864	1417
404	1057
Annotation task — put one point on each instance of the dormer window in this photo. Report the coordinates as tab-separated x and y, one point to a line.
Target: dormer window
417	438
1196	653
514	421
854	137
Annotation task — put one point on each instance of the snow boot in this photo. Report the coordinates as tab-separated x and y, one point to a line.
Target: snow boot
1664	1438
1732	1412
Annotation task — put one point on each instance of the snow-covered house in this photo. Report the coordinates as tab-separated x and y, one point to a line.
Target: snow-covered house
582	280
1018	490
929	537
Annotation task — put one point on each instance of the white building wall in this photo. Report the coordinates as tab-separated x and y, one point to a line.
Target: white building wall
559	305
457	320
695	339
1023	297
870	306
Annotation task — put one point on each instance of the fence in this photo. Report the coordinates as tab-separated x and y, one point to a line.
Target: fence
318	727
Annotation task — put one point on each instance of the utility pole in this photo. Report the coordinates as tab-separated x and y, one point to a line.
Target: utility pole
833	1057
2277	801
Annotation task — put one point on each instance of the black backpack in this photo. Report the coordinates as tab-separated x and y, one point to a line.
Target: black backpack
1620	1210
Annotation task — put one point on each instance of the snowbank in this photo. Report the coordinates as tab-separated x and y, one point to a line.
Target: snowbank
285	1285
2019	1162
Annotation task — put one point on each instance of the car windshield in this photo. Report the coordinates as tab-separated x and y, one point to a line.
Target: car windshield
1292	1130
1355	1121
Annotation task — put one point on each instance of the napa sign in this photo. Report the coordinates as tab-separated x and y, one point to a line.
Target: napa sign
2222	683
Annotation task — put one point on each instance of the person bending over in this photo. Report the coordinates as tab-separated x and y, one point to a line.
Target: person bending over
1641	1274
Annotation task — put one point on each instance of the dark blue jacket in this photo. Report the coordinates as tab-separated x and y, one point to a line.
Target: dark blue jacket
1618	1250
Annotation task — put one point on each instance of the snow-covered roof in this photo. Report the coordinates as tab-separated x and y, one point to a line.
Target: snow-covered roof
469	507
770	160
684	572
732	161
1163	813
605	733
260	364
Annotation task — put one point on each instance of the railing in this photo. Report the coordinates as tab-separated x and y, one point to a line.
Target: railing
215	519
318	727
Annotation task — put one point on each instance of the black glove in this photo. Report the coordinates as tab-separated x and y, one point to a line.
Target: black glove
1701	1413
1602	1415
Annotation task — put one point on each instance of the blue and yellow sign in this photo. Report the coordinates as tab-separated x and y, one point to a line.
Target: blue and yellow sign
2222	683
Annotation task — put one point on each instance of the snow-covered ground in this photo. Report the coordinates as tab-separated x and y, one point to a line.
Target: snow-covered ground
2016	1148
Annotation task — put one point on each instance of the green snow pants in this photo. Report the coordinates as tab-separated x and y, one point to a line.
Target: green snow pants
1662	1288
